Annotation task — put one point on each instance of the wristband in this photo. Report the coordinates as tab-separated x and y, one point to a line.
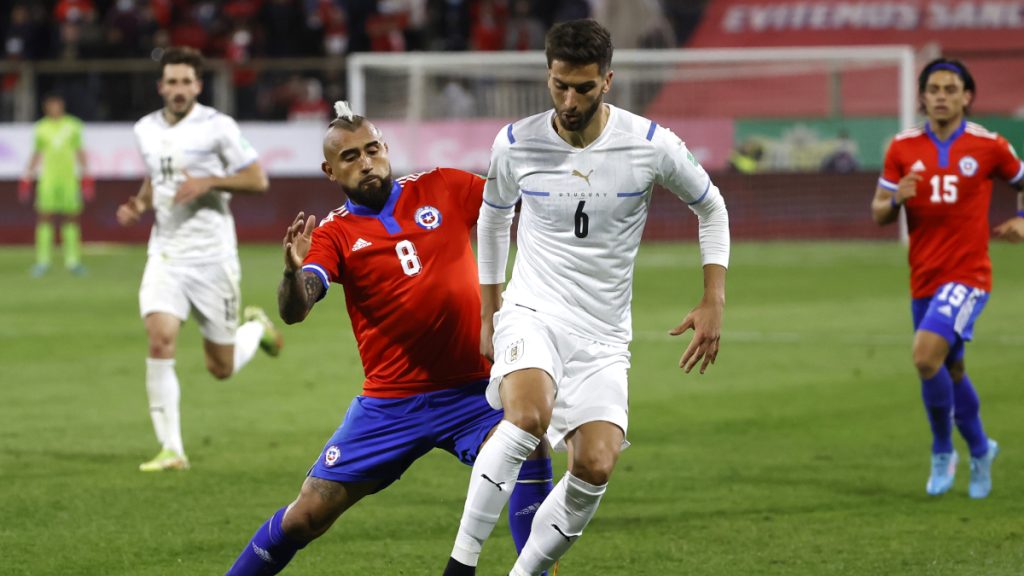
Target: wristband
1020	213
895	204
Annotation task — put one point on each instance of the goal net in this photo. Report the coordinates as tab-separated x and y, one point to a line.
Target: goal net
794	137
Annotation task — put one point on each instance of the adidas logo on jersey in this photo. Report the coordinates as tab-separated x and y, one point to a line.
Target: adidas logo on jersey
917	167
360	244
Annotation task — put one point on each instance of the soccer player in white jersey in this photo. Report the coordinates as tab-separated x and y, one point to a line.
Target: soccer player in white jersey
196	158
585	172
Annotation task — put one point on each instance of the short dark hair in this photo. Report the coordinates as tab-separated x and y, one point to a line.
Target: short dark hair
580	42
955	66
182	55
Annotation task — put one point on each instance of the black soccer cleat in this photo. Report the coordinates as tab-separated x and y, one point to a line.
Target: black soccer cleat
456	568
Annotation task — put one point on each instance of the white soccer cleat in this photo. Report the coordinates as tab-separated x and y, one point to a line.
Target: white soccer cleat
165	460
981	472
943	473
271	342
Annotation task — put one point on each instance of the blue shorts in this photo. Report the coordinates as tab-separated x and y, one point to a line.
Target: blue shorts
381	437
950	313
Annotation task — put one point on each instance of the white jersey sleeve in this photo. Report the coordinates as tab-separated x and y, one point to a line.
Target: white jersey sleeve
234	150
496	213
681	173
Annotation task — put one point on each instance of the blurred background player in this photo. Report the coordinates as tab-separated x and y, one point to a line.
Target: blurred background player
585	172
942	174
401	250
196	157
58	144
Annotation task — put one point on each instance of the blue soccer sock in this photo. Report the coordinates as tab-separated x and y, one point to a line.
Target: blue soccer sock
937	393
532	486
268	552
966	414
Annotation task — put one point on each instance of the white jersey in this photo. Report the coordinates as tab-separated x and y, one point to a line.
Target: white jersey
203	143
583	213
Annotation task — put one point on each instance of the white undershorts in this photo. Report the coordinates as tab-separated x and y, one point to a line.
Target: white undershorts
212	290
590	377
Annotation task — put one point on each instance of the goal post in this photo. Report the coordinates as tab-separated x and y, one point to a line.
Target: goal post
799	105
413	69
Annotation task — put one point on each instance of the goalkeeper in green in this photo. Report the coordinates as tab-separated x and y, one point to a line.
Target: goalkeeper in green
60	188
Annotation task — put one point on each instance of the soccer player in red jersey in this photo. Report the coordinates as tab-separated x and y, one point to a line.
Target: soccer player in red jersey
401	250
942	174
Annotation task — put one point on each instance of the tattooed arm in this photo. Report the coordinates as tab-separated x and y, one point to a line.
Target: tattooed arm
297	294
299	289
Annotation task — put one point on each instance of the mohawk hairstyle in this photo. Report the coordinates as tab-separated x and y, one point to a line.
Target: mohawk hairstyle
346	119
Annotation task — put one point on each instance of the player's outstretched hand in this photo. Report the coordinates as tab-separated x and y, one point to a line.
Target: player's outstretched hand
129	212
706	322
1012	230
297	240
907	187
24	190
191	189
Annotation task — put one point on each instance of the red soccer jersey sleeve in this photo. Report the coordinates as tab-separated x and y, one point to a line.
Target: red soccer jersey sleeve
410	281
948	217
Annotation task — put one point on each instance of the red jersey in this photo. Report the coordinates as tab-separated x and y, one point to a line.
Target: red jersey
410	280
948	218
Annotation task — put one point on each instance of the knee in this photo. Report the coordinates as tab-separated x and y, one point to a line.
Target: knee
161	345
313	512
303	525
595	468
927	365
219	370
533	420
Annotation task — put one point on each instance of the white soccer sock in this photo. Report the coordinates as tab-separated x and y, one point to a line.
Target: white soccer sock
164	396
559	522
494	476
247	340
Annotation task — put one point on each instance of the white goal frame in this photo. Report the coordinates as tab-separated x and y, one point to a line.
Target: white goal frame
416	64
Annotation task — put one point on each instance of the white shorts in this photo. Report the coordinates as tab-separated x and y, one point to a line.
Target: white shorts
590	377
212	290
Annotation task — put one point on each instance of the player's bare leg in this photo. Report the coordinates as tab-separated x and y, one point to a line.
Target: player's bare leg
320	503
528	398
220	359
258	332
164	392
593	452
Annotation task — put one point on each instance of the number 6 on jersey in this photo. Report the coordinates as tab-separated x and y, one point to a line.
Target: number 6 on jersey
407	256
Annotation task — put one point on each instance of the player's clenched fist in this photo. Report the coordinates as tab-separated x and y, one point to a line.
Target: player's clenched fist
297	241
130	212
907	187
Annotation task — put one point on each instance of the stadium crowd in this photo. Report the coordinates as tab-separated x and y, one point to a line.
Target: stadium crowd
239	31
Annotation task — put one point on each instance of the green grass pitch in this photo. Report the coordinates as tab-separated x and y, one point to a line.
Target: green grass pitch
803	451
